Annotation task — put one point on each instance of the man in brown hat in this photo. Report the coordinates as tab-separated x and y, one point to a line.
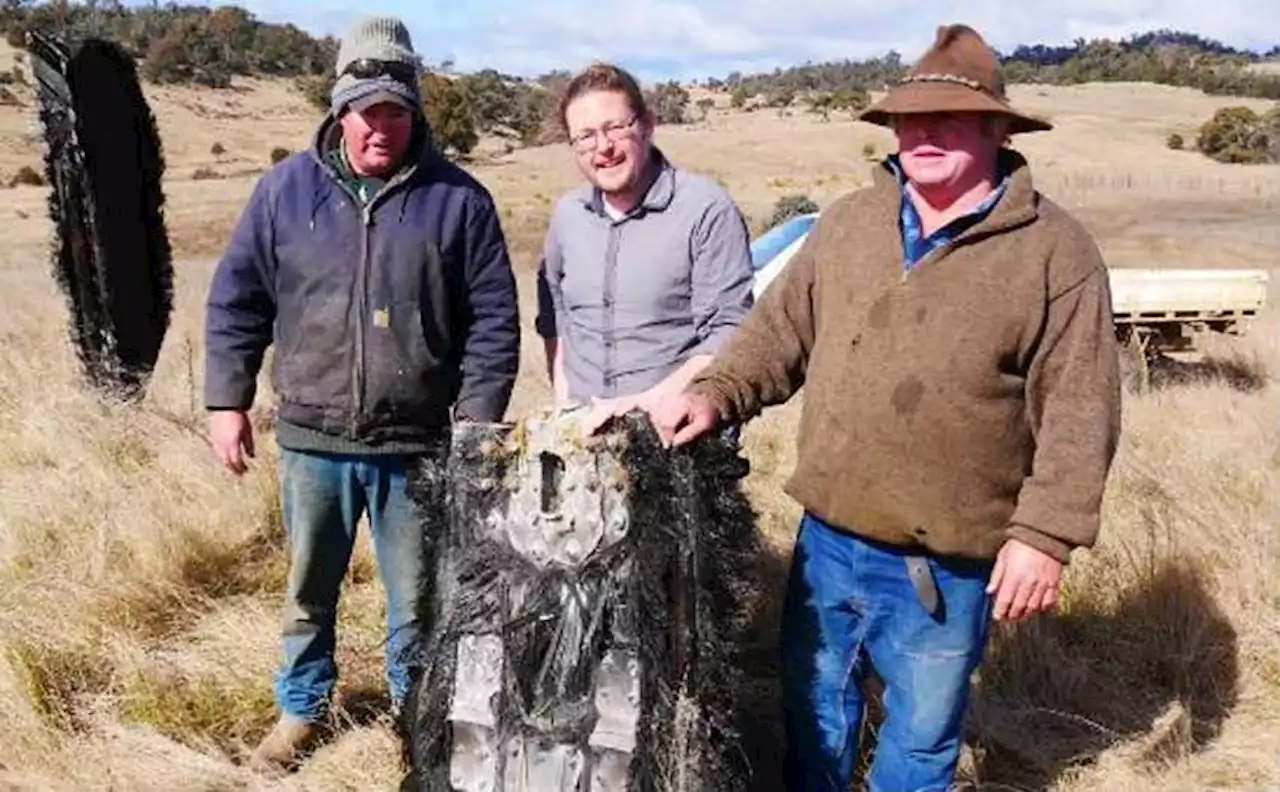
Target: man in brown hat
953	329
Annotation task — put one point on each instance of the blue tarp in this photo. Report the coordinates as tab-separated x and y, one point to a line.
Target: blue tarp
776	239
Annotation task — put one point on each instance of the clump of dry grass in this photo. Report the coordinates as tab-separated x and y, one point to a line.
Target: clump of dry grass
139	585
1169	624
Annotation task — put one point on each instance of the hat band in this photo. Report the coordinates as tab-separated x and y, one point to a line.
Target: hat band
959	79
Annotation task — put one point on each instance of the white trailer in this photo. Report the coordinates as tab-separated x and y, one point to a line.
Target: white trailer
1156	310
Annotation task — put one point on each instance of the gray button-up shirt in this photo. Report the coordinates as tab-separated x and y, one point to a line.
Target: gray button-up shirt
631	300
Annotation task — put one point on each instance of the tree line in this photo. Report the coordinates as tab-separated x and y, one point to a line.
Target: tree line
179	44
1163	57
187	44
1166	57
462	107
209	46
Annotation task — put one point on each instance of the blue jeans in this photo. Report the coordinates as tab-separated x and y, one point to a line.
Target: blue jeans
323	497
849	604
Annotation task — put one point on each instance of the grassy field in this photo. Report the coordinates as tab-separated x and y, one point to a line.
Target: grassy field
139	585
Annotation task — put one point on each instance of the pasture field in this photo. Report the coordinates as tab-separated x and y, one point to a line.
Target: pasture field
139	585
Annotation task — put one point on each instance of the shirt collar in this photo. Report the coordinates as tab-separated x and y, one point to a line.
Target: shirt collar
658	196
987	204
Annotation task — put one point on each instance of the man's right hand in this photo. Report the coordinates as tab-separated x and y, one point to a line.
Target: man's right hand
232	437
683	417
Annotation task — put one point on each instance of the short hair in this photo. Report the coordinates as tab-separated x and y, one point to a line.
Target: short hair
603	77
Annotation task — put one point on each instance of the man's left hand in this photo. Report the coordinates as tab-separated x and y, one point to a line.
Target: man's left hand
1024	581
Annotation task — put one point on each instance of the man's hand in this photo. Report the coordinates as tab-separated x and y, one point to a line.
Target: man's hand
683	417
1025	582
232	437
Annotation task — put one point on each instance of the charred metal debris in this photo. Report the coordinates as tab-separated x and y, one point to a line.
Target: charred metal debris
103	161
585	618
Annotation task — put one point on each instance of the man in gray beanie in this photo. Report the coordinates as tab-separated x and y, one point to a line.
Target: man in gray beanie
376	96
380	272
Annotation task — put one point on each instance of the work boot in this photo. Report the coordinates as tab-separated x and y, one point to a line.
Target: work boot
283	748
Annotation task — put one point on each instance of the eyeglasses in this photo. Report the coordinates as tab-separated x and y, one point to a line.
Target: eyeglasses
369	69
585	140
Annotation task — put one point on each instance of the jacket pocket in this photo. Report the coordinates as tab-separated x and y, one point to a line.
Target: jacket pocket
405	373
314	355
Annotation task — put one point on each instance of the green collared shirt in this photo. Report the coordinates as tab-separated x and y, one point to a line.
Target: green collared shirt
363	186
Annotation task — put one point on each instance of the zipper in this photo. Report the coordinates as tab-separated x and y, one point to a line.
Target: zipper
931	258
362	302
357	367
362	292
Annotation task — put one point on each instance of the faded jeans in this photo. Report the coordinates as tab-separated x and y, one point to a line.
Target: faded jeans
851	606
323	497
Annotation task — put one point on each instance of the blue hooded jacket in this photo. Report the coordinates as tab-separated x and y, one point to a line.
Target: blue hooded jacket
386	317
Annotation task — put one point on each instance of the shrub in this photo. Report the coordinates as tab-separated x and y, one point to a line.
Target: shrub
1174	142
1239	135
279	154
217	149
705	105
668	102
849	99
781	96
316	89
451	113
869	151
27	175
790	206
204	174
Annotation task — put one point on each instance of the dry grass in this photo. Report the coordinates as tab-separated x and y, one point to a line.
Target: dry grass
139	586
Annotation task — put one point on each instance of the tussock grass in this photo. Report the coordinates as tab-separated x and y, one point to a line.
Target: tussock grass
210	712
139	597
54	678
1169	627
1160	670
140	585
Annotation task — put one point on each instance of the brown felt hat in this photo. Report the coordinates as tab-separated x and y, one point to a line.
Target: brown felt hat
959	73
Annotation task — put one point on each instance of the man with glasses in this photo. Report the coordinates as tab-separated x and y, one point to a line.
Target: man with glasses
646	269
380	272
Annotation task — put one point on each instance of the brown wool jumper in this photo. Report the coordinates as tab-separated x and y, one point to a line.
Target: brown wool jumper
973	400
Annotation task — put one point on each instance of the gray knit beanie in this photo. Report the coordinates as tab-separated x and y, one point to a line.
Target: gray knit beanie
377	38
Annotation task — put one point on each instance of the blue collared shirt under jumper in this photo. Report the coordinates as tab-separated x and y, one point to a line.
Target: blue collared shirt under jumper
915	245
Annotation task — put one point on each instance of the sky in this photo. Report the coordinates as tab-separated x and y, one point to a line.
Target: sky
689	39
